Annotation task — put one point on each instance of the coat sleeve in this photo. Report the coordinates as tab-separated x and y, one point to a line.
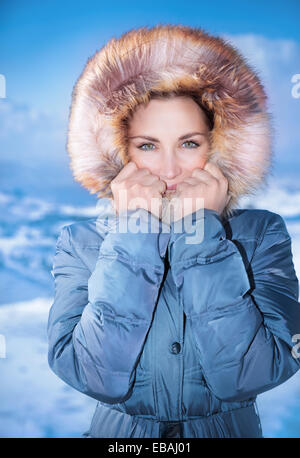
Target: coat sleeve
98	321
243	320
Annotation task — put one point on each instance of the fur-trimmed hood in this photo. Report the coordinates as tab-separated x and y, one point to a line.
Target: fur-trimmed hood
167	57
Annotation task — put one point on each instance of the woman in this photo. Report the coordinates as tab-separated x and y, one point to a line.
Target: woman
173	338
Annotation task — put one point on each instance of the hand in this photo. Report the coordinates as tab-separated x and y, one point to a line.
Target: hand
137	188
208	183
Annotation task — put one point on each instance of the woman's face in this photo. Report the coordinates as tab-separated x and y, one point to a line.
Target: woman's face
170	137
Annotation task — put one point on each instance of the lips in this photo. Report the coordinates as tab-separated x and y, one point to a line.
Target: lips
172	187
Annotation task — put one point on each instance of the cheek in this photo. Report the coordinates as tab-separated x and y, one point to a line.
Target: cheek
143	161
194	163
201	162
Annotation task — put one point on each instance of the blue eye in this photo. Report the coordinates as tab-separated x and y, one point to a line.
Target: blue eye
151	144
145	144
190	141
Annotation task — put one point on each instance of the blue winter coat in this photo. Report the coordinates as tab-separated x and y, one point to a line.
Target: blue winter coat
175	339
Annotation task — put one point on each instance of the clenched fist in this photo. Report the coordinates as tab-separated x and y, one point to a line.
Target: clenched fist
136	188
209	184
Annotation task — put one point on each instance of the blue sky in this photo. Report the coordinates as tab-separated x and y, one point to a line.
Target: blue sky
45	45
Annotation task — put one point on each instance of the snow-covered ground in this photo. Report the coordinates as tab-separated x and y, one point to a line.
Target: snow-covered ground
34	402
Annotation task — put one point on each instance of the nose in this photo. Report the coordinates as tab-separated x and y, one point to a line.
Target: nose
169	166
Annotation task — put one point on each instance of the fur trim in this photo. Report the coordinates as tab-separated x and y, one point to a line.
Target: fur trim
166	57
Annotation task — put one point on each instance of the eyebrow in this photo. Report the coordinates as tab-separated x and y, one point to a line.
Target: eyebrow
180	138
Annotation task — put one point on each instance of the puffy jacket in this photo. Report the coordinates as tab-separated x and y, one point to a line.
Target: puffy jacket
175	339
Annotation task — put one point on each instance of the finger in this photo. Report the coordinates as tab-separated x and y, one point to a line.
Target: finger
148	180
191	180
161	186
126	171
203	175
214	170
141	173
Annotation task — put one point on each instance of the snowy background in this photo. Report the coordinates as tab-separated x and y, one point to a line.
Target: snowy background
46	54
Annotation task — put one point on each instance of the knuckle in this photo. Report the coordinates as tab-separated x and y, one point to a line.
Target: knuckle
148	191
143	171
135	185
